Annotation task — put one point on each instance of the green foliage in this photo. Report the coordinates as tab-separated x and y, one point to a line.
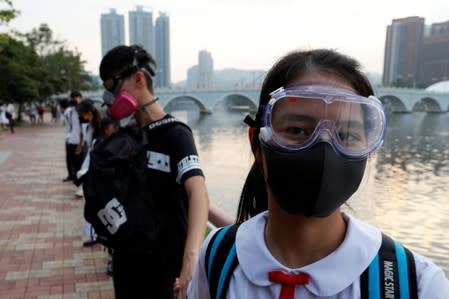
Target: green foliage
19	80
41	40
8	13
34	66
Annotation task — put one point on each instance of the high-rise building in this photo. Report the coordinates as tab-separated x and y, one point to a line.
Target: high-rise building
205	69
162	50
112	30
434	65
192	77
403	50
141	30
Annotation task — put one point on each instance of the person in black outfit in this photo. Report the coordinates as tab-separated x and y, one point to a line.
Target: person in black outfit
177	185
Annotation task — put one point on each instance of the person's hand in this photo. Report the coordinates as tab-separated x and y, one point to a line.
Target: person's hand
177	289
79	149
181	283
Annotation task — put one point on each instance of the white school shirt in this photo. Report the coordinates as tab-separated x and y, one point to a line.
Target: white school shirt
336	276
10	108
72	126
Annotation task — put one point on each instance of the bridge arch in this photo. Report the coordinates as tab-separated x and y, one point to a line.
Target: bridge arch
182	98
393	103
431	105
239	98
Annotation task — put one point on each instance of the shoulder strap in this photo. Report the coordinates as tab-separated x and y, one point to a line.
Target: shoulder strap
221	261
392	273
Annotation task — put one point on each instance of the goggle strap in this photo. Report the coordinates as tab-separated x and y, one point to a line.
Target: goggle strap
249	121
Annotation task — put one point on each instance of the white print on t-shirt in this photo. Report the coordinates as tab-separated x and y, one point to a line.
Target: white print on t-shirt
187	164
112	215
158	161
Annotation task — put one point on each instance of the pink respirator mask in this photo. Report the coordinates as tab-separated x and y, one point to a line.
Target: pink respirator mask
123	105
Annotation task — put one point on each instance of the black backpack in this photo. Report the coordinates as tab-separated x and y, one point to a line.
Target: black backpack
117	190
392	259
118	204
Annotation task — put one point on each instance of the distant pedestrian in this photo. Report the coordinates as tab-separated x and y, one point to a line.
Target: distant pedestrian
40	112
3	119
73	137
53	111
10	114
31	112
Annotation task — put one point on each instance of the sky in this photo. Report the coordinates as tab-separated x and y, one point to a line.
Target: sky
244	34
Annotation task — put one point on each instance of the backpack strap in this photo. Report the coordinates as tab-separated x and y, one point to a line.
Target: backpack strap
392	273
221	260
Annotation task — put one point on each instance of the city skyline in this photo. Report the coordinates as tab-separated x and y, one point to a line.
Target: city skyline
240	34
416	54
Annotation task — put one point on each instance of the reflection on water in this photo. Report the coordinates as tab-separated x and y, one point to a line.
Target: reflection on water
405	191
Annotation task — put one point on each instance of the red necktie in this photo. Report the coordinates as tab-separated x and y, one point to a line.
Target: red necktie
288	282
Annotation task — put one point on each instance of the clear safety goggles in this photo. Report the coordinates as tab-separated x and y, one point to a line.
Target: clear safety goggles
298	117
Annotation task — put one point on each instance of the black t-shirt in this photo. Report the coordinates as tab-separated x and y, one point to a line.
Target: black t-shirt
172	158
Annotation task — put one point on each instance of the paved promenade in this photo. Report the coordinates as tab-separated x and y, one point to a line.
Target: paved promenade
41	252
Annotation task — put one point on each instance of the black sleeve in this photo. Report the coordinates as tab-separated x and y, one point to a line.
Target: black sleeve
185	155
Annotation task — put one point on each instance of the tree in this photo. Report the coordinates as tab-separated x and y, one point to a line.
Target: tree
65	67
41	40
35	66
8	13
21	72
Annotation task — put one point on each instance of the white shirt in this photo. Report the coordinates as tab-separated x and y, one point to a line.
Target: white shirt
10	109
3	119
72	126
336	276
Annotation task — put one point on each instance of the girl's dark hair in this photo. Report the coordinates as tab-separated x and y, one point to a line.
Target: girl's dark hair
87	105
288	69
123	58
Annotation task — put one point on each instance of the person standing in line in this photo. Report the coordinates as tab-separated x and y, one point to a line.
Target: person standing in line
11	116
73	137
3	118
177	183
53	111
31	111
316	125
90	116
40	112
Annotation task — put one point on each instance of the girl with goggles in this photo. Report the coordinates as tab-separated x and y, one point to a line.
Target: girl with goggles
317	124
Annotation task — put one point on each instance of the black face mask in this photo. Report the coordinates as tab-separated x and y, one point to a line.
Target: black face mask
314	182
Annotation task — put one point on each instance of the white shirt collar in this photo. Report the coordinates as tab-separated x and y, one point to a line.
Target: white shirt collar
328	276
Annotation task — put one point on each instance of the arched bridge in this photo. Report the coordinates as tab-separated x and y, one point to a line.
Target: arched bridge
394	99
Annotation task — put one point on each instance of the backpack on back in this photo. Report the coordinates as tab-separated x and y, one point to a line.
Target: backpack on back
117	190
118	204
393	259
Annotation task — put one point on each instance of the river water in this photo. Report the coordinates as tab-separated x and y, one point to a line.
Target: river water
405	191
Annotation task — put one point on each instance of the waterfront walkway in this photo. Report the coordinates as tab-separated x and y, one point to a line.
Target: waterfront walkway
41	252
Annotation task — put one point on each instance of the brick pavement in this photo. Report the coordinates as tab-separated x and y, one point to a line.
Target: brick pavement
41	253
